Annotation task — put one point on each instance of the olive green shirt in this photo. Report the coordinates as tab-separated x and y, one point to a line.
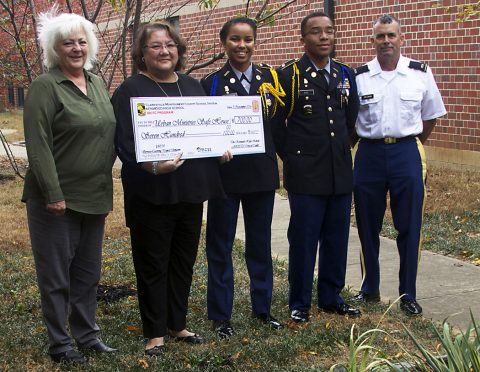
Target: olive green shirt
69	138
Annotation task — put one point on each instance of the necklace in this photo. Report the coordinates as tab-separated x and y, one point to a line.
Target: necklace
163	90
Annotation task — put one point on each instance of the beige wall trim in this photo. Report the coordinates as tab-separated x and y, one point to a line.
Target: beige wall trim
452	157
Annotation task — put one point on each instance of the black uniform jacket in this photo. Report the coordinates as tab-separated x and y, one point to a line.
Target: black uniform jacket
252	172
313	141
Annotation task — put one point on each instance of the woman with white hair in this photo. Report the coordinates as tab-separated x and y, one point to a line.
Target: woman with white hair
69	129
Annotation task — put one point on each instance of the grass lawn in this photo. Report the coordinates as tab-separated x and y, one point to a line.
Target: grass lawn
12	120
315	346
452	214
451	223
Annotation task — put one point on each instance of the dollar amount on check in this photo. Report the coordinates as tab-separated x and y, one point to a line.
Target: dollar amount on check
196	126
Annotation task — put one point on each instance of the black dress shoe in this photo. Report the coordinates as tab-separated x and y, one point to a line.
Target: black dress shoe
342	309
158	350
366	297
223	328
99	347
69	356
411	307
299	316
193	339
269	320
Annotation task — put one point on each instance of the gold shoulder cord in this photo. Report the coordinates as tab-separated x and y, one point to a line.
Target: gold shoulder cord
275	90
295	77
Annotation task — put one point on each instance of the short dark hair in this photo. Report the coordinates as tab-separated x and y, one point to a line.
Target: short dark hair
144	33
235	21
303	25
386	19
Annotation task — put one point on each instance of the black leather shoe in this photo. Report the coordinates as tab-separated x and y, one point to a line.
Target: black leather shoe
410	307
158	350
342	309
223	328
69	356
269	320
299	316
365	297
193	339
100	347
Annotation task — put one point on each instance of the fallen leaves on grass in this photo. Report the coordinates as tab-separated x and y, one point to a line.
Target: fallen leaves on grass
143	363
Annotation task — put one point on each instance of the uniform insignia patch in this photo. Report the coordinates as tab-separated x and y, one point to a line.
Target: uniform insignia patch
367	96
422	66
306	92
307	110
361	70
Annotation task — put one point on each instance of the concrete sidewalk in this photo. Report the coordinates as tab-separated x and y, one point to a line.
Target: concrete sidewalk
446	287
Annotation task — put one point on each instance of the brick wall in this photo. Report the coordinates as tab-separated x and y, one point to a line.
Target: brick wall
452	50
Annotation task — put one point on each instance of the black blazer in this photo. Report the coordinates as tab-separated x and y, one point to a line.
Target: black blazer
314	140
252	172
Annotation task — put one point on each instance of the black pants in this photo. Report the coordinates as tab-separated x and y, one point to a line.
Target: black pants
164	248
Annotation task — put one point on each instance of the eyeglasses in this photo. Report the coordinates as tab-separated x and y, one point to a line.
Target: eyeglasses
317	31
168	46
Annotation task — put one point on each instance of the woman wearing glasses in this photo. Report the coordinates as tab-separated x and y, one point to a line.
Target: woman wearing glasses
163	200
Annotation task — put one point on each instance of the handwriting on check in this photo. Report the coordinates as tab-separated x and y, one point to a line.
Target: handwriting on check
241	119
226	123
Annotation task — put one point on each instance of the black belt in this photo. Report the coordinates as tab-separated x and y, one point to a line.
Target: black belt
388	140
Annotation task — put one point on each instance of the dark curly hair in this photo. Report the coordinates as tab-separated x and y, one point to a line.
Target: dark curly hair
143	35
235	21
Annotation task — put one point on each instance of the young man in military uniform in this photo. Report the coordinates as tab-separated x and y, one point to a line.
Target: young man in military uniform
399	104
312	136
247	179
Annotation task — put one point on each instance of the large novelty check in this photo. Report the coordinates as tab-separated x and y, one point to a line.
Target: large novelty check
196	126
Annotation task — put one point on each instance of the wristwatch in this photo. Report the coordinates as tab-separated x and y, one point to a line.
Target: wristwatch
154	167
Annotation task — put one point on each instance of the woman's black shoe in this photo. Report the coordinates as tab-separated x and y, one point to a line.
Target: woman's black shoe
193	339
158	350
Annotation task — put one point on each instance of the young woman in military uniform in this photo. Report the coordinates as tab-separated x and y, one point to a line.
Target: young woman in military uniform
247	179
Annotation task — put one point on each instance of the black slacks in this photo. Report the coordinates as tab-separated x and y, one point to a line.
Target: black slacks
164	249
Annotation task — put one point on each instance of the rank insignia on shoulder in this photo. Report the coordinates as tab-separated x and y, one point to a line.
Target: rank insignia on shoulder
361	70
210	74
422	66
340	62
289	63
264	65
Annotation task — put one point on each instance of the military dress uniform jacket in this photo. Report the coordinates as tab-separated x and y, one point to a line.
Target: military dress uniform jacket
314	142
252	172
